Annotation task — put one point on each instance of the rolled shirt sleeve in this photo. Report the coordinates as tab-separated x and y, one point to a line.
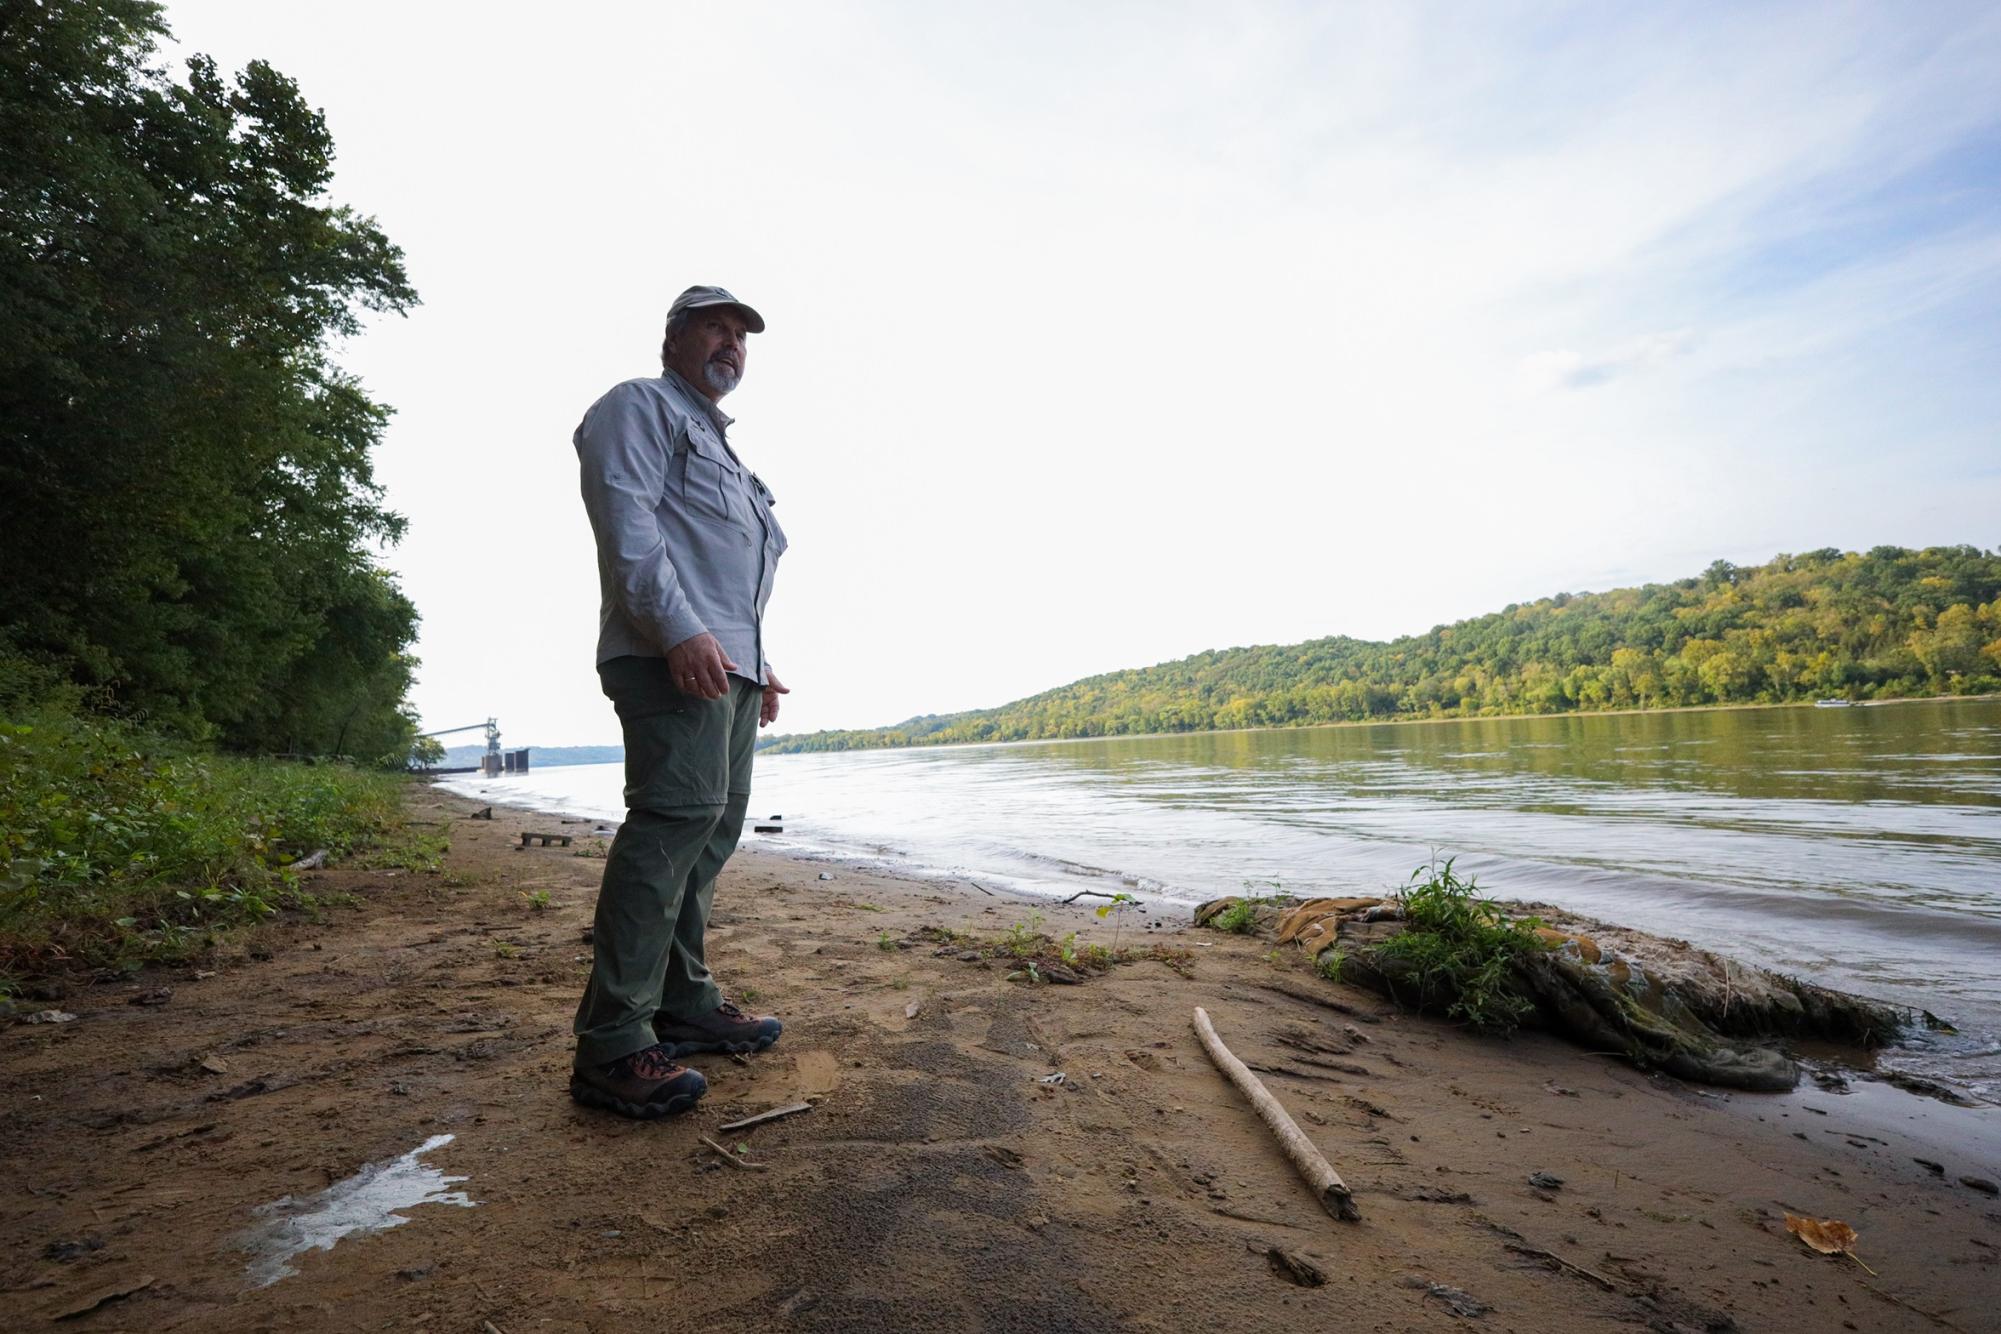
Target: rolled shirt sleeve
625	448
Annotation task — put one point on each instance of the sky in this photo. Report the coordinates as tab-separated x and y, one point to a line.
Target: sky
1102	334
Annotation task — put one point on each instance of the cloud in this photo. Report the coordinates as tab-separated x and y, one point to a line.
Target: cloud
1565	369
1106	333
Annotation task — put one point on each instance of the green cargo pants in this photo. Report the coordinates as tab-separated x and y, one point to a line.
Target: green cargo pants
687	786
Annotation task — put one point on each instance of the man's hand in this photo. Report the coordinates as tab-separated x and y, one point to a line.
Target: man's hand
767	714
699	667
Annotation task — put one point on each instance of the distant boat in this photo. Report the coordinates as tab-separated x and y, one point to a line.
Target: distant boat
1834	704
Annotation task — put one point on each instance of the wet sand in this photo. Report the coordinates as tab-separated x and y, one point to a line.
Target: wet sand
938	1183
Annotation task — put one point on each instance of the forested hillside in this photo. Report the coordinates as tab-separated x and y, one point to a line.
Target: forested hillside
191	518
1886	624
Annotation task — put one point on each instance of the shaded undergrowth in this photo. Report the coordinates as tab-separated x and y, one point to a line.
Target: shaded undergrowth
120	847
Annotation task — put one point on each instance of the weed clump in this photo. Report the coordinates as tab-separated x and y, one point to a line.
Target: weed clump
1239	918
1459	951
1242	916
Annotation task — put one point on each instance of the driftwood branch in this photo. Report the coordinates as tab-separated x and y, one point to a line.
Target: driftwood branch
762	1117
1317	1172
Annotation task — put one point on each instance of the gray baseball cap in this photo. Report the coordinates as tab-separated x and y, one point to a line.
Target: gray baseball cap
702	298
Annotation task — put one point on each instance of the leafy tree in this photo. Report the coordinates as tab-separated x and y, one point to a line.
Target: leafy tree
192	509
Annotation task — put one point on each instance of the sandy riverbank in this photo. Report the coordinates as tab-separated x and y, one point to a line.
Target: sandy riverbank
937	1184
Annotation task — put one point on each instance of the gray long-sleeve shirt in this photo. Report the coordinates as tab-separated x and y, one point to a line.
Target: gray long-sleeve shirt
686	539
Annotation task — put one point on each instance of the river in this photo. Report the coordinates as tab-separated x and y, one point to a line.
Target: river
1858	847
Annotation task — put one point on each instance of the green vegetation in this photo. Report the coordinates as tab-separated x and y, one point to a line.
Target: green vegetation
1042	958
192	517
118	847
1240	918
1329	964
192	521
1459	951
1024	940
1888	624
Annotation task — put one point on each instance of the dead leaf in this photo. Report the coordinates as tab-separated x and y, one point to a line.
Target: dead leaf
910	1010
1829	1236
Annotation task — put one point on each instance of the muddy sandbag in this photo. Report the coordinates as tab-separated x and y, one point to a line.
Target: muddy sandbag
1314	922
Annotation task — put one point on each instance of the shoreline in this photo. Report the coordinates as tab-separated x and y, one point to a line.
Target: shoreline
884	862
979	1148
1381	722
1924	1059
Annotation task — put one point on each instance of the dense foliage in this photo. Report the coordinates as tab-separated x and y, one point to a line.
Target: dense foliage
1889	623
191	513
118	846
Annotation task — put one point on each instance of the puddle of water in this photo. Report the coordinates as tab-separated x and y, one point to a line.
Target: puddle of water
362	1204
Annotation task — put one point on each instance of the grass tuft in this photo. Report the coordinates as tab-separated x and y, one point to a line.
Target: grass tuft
1460	950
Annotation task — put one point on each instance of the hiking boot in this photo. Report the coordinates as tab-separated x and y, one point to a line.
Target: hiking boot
644	1085
725	1028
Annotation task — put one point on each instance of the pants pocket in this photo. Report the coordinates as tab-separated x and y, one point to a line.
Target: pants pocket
676	745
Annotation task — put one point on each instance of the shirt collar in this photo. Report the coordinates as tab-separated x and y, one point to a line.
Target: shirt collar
699	399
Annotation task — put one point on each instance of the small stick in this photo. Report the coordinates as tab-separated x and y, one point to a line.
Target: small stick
1089	894
1537	1253
1328	1188
732	1159
1248	1218
762	1117
1899	1301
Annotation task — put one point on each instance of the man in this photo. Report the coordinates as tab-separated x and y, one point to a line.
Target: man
686	550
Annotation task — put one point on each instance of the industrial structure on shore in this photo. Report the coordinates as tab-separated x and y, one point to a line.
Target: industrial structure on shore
495	761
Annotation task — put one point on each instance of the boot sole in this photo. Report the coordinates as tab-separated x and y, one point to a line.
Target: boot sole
676	1050
592	1096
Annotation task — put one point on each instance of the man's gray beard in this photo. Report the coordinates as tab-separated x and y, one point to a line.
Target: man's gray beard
720	377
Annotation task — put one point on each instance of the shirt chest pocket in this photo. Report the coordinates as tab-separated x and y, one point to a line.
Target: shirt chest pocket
774	535
708	482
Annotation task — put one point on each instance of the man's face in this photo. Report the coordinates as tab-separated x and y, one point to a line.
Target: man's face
709	353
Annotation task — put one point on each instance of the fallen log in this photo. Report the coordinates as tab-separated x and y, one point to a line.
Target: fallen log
1313	1168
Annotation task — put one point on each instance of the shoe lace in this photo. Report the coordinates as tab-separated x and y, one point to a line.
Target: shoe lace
730	1008
652	1063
